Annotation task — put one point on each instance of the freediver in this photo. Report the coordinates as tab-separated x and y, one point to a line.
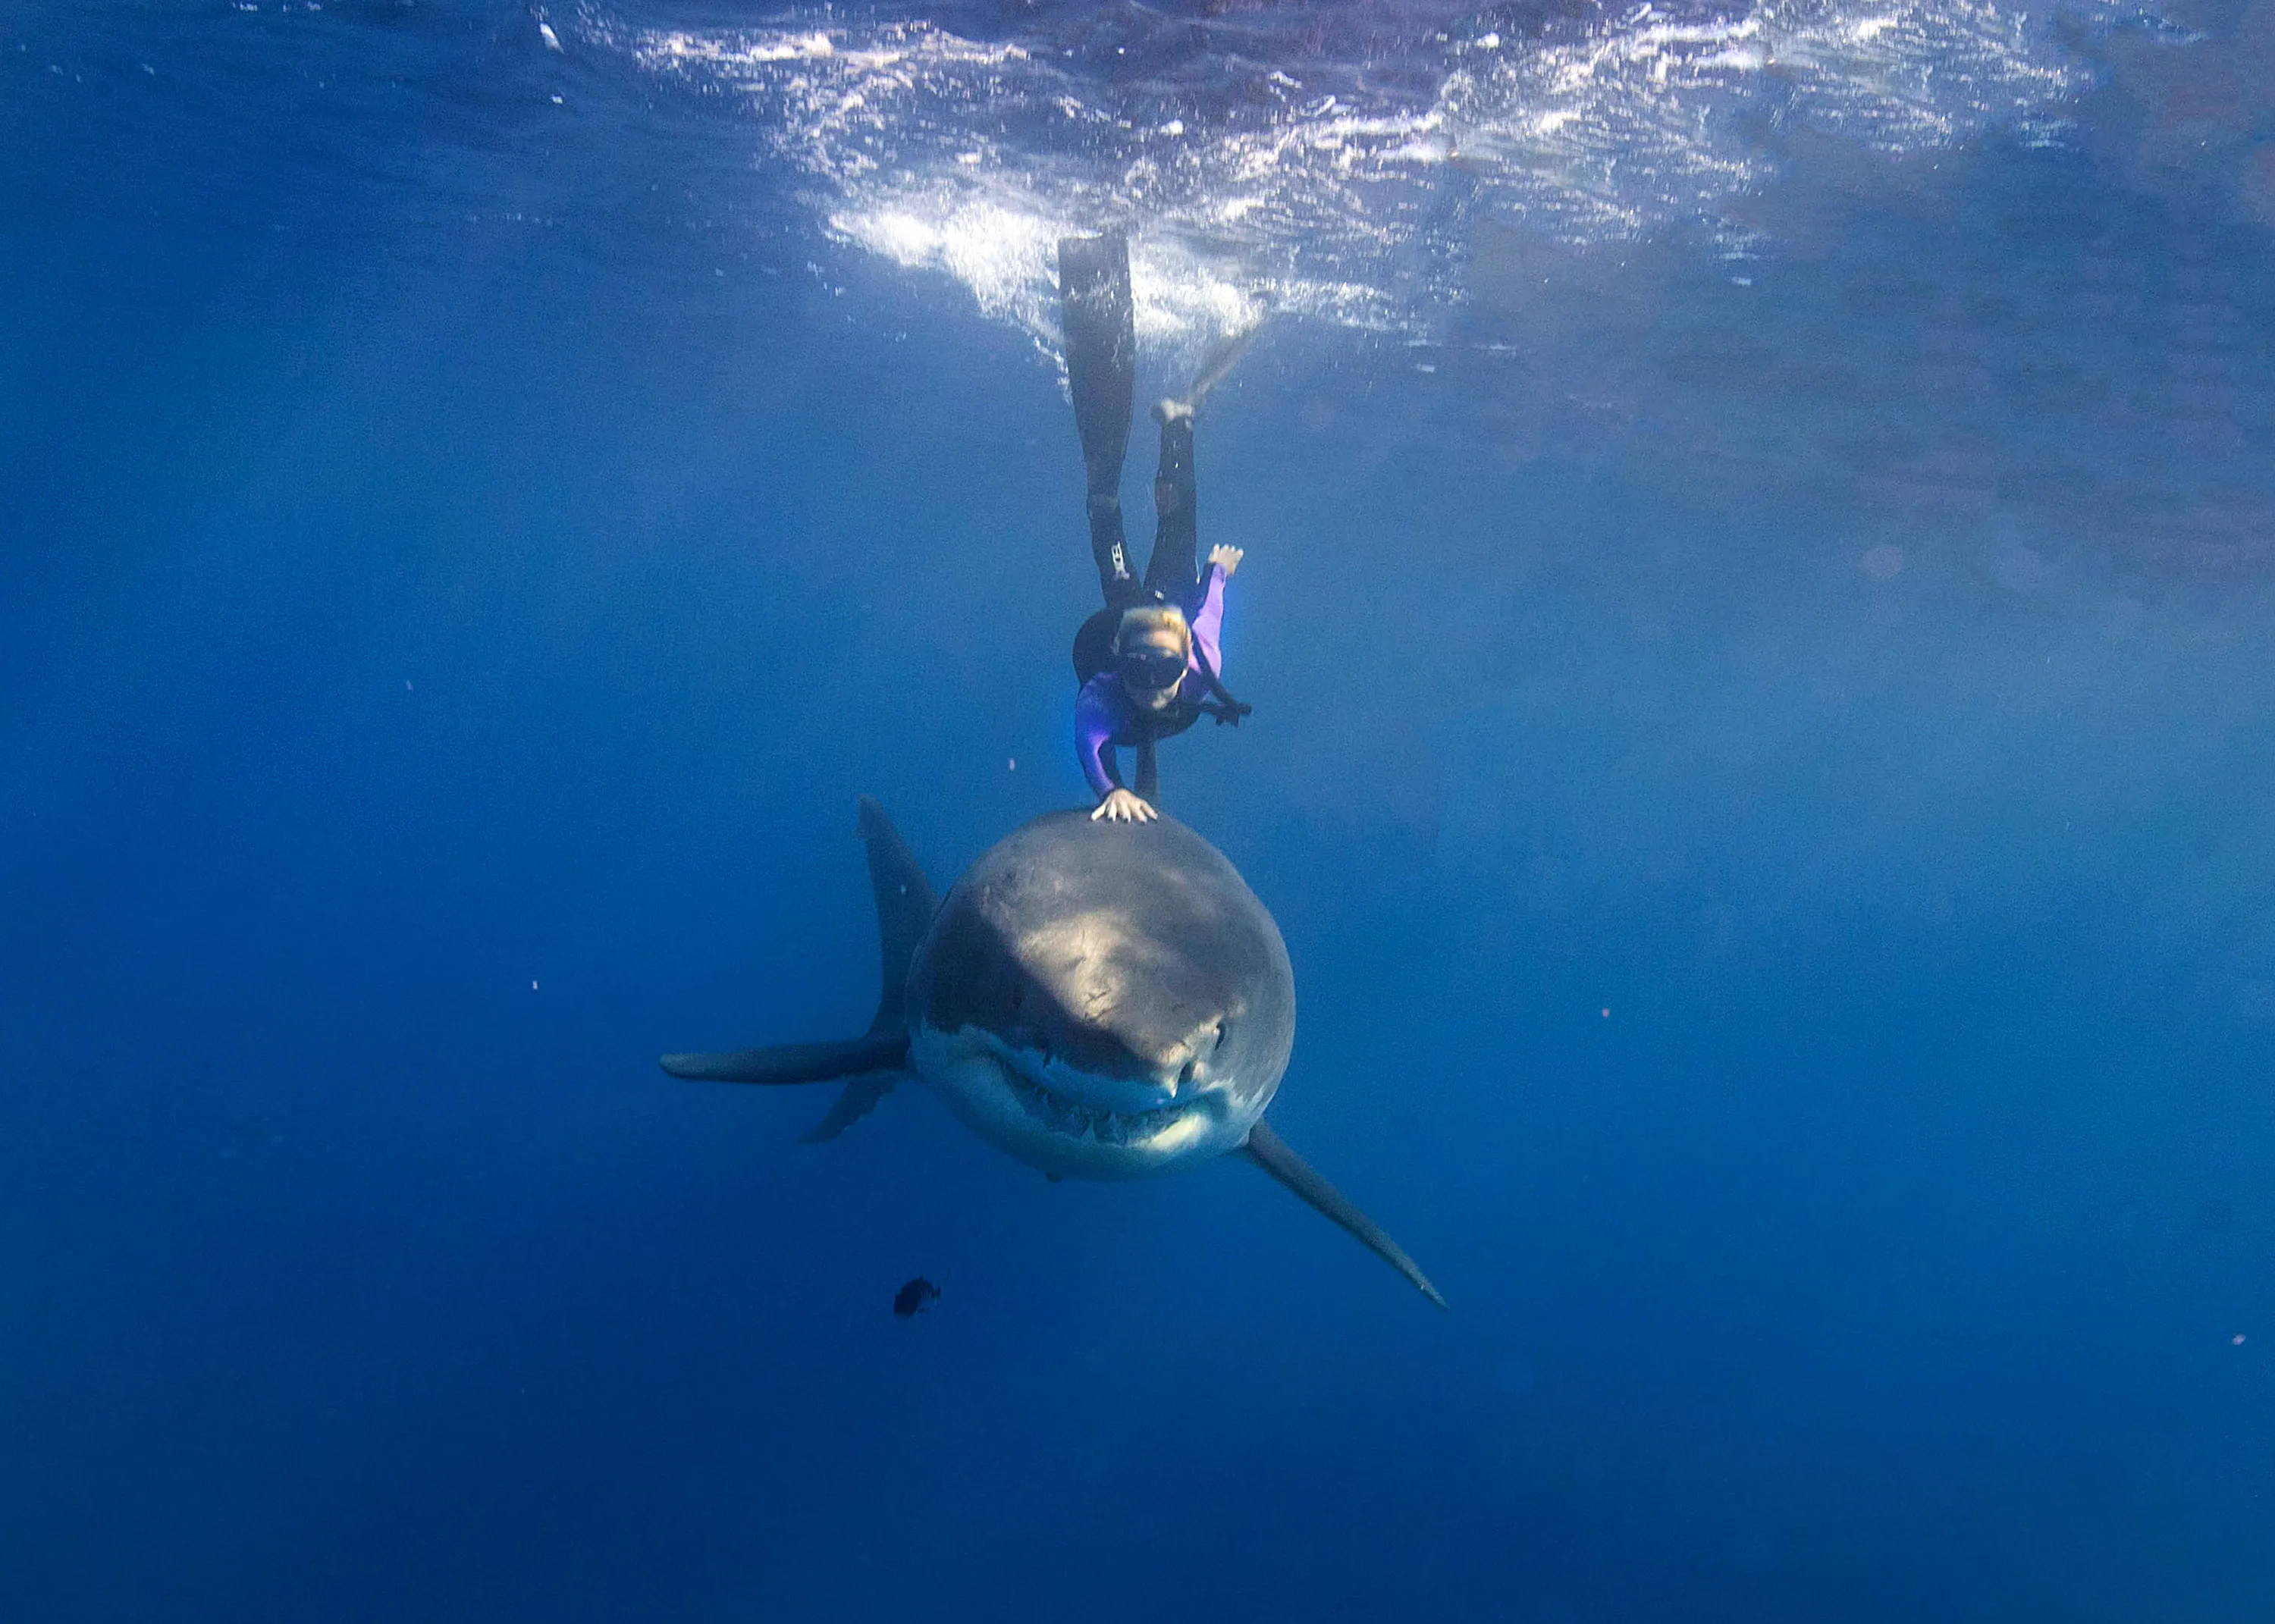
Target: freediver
1148	662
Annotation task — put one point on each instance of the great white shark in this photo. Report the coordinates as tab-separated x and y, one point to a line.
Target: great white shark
1101	1001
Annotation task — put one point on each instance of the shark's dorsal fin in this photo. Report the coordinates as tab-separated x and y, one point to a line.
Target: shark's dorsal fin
869	1065
905	905
1269	1152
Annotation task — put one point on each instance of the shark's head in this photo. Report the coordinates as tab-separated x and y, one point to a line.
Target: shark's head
1103	1000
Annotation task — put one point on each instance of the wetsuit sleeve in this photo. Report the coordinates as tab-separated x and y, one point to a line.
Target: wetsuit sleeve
1208	621
1094	717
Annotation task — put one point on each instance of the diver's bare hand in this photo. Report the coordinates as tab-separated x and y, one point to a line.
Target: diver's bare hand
1226	558
1120	806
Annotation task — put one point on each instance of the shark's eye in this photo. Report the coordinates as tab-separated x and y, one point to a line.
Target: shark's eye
1185	1077
1222	1030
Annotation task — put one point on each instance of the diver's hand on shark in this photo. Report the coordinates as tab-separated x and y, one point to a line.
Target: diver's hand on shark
1120	806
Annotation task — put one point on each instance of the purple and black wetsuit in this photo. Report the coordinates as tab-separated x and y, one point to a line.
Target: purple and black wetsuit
1105	716
1106	719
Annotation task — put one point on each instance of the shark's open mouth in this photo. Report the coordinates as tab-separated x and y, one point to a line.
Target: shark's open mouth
1080	1121
1067	1118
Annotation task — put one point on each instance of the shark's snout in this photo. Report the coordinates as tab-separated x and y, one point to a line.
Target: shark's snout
1122	989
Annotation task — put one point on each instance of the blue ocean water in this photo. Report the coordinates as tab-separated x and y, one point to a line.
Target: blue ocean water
1760	609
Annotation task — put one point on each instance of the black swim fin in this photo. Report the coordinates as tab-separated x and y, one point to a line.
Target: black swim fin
870	1064
1217	365
1099	320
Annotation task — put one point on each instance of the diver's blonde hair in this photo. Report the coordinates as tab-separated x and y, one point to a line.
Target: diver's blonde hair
1149	617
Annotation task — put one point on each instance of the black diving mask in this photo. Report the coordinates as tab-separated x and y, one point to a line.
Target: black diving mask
1154	668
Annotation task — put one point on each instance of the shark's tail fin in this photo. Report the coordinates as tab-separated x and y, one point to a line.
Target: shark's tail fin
870	1064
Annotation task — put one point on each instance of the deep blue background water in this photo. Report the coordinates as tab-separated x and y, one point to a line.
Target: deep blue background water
463	557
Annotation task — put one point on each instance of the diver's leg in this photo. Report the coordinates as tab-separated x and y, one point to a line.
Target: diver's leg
1175	568
1223	357
1110	550
1099	320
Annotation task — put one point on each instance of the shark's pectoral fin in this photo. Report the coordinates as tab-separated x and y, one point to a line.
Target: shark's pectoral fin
870	1066
797	1063
1269	1152
859	1098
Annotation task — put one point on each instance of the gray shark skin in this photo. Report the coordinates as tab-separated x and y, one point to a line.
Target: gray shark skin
1103	1002
1099	1001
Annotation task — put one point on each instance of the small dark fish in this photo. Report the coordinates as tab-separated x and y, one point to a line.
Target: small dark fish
913	1298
